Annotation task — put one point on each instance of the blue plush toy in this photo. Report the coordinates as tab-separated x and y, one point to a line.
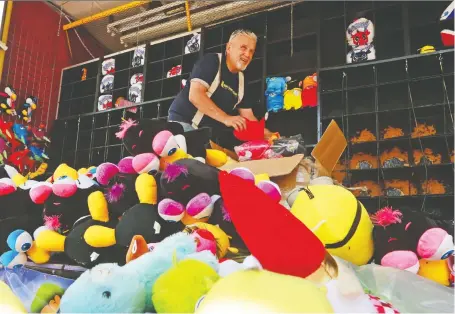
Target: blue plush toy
19	241
109	288
21	132
276	86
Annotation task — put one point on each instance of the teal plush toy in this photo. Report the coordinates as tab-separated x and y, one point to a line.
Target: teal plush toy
109	288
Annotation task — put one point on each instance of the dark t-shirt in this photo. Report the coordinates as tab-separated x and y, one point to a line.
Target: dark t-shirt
225	96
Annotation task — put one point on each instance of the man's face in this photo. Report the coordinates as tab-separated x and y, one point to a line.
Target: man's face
240	51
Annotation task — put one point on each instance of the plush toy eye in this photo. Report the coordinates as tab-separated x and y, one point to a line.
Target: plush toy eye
172	151
106	294
20	241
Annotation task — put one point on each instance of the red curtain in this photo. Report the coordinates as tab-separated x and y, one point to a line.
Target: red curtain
37	53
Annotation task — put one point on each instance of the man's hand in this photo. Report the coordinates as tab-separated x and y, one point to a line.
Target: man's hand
268	134
236	122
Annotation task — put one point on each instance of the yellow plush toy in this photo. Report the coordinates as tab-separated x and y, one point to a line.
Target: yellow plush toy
437	271
260	291
179	289
293	99
9	303
338	219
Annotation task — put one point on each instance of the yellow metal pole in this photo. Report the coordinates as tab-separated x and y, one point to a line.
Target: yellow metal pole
188	15
9	11
121	8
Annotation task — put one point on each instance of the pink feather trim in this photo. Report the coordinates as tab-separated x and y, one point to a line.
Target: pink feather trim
52	222
226	216
115	193
173	171
386	216
124	127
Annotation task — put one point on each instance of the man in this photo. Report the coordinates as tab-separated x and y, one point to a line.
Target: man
214	96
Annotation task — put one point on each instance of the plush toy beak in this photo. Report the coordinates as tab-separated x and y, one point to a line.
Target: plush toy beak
146	189
17	178
199	209
37	255
179	154
171	210
50	241
13	97
138	247
98	207
99	236
64	187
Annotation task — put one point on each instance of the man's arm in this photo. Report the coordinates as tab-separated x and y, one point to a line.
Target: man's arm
247	113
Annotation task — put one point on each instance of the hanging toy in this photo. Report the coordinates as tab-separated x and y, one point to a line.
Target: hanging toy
276	86
39	134
38	154
107	84
108	66
360	35
193	44
446	20
24	112
138	57
84	74
21	133
104	102
7	101
293	99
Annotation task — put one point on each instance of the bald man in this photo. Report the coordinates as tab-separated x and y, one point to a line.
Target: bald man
216	94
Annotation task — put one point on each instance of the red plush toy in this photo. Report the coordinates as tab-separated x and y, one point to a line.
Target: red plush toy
279	241
254	131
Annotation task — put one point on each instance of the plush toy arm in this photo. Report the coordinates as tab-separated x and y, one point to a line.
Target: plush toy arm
216	158
99	236
146	189
98	207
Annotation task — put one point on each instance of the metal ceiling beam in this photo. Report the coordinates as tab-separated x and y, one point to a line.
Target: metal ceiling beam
199	19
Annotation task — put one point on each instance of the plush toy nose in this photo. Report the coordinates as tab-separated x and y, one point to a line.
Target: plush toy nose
33	106
404	260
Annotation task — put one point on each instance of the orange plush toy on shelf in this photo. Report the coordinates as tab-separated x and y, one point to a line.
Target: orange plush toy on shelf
427	157
394	158
422	130
372	189
363	161
391	132
363	136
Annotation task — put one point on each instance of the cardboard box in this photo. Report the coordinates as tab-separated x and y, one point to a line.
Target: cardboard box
290	172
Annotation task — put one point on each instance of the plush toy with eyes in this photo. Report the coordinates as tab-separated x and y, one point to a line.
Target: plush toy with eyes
360	35
63	197
22	246
7	101
117	182
168	141
25	111
74	245
141	219
403	237
276	86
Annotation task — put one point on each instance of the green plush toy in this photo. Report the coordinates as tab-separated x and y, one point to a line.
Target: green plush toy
179	289
47	298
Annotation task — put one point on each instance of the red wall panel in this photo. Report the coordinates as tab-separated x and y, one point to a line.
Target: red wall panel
37	52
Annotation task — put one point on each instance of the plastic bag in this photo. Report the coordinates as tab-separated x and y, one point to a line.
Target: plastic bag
255	150
407	292
289	146
35	290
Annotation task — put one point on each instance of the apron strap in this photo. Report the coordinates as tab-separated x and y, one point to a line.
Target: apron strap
216	82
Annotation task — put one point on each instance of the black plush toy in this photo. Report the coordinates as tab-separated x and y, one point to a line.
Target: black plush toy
141	219
168	141
64	201
118	181
24	112
189	189
403	237
74	244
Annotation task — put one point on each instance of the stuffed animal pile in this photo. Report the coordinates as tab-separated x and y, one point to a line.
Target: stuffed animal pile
21	144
